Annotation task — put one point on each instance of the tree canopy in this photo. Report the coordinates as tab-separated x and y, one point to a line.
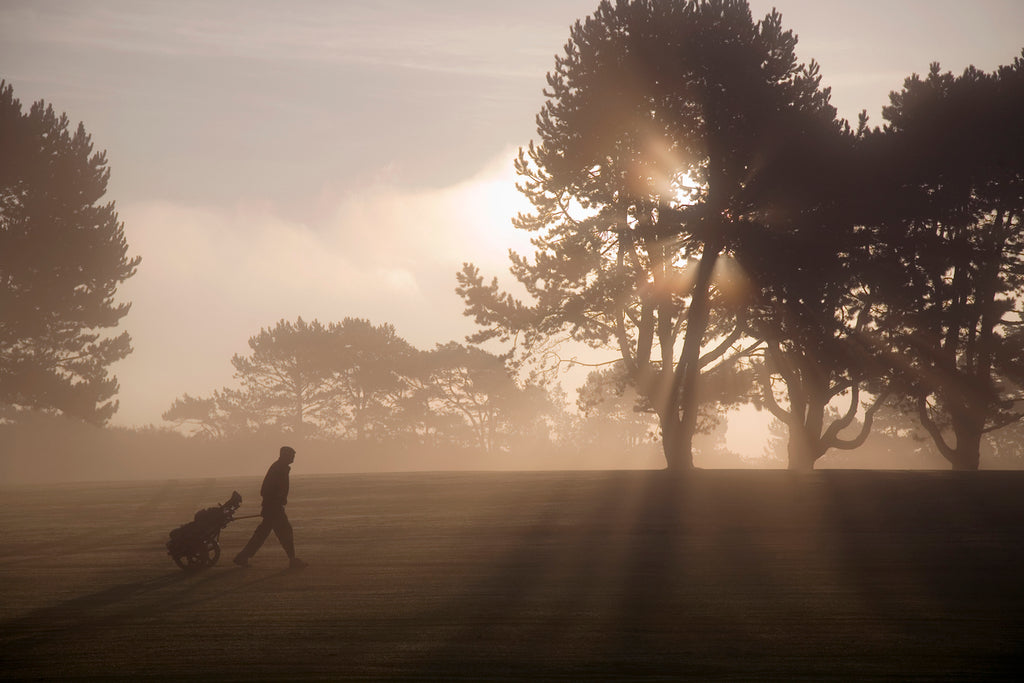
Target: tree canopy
63	254
363	382
698	207
950	236
661	118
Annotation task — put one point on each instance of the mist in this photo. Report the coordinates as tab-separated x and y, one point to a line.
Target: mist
341	162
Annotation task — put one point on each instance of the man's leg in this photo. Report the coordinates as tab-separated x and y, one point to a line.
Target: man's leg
283	531
258	537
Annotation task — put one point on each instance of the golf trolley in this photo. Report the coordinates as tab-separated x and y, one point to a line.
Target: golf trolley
196	544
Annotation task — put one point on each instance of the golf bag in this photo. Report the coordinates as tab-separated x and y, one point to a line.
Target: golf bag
197	544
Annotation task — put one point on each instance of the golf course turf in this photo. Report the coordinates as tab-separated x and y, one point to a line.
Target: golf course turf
624	575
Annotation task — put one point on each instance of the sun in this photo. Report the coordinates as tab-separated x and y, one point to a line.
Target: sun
492	201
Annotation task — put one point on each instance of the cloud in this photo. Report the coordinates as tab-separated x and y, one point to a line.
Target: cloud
442	37
211	277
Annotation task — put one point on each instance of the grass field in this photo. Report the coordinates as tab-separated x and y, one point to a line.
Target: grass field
726	575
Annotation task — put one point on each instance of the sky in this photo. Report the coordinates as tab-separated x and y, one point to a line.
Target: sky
272	160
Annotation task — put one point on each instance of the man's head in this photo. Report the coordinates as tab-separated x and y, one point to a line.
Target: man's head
287	454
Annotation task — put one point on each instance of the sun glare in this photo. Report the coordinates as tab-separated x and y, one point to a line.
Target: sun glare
493	203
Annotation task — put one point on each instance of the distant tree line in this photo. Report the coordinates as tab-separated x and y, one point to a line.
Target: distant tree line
362	382
698	207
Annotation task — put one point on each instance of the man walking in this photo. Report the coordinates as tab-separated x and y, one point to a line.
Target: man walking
275	497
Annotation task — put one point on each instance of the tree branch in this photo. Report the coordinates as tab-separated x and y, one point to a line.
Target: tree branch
933	429
1009	420
869	417
726	344
843	422
764	377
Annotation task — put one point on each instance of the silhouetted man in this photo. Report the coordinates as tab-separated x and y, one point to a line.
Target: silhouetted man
275	497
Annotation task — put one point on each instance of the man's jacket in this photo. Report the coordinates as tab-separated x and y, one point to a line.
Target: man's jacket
275	485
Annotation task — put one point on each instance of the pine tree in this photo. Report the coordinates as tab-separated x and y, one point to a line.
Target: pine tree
62	256
952	238
660	115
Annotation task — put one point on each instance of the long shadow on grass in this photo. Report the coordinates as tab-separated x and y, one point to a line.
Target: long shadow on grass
607	583
934	559
754	575
121	605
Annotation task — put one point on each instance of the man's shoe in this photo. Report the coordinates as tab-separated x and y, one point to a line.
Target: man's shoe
296	563
241	561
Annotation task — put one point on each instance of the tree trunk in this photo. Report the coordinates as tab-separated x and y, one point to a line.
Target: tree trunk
966	457
684	393
680	457
676	444
801	449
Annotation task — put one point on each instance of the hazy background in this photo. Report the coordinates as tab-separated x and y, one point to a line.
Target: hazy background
331	159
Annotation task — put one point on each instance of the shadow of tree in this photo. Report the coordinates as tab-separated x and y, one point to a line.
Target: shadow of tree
122	604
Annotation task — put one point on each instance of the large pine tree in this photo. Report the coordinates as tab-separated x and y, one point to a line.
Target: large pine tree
659	118
62	256
952	235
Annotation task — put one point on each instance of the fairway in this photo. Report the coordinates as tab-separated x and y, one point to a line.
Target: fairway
724	575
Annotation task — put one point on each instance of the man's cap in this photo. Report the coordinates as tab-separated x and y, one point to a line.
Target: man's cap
287	450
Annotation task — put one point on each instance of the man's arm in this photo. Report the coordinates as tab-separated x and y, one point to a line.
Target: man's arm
275	485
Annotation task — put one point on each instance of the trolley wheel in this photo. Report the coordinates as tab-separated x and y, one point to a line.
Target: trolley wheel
199	556
212	553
